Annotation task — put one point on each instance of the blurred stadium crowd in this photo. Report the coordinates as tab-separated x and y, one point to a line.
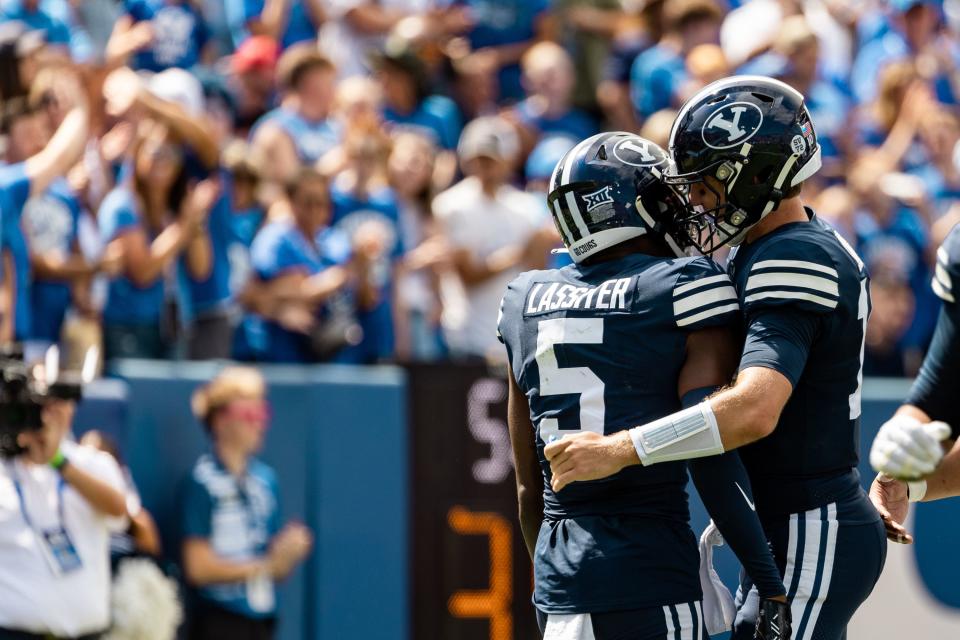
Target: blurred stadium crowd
357	180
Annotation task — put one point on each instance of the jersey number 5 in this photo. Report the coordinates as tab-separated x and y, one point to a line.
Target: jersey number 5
570	380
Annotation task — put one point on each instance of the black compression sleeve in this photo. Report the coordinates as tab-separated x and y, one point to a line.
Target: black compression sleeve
934	390
724	487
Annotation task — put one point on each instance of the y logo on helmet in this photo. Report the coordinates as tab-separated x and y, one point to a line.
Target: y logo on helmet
638	152
732	124
597	198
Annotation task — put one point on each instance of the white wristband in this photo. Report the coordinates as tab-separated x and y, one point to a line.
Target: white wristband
691	433
916	489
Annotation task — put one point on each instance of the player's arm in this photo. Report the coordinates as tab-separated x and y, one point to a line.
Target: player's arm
529	478
909	442
908	445
722	481
782	323
777	344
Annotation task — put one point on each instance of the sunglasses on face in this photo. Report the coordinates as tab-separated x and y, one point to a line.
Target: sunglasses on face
248	411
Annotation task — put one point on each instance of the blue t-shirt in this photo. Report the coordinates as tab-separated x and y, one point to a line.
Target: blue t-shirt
349	212
655	78
575	123
14	192
436	118
238	517
900	245
50	224
502	22
311	139
179	34
280	248
55	31
249	340
127	302
830	109
214	290
300	26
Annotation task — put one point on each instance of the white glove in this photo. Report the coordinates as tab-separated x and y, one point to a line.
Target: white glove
907	449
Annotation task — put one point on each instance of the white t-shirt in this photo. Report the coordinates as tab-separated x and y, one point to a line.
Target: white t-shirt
350	50
32	598
471	219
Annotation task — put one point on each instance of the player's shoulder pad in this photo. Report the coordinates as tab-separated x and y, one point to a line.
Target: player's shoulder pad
795	273
703	295
947	271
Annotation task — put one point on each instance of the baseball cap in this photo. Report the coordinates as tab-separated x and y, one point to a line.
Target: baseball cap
256	52
490	137
546	155
179	86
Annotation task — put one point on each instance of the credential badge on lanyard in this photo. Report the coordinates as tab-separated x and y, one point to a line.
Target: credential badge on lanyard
55	543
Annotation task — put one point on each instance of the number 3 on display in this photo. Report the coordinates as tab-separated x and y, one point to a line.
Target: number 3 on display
570	380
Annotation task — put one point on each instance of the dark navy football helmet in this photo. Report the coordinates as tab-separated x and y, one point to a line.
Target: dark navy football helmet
609	189
753	135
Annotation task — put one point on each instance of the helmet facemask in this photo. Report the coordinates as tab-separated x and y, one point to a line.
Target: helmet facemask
724	224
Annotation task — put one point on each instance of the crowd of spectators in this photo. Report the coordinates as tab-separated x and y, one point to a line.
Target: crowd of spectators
356	180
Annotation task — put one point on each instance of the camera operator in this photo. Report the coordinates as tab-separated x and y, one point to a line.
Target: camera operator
59	501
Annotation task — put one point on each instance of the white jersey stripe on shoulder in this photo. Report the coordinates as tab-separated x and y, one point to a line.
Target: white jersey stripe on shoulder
794	264
702	282
792	295
709	313
778	279
826	572
686	621
703	299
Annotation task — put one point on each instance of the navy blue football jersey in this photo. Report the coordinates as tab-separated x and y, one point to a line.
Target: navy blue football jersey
599	348
805	297
934	390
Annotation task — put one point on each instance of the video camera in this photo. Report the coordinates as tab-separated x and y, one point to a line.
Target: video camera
23	394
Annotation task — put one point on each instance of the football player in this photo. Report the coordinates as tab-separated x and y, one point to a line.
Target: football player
628	333
743	147
908	445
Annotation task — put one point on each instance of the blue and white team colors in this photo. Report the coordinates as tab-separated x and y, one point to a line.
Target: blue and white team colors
805	299
599	347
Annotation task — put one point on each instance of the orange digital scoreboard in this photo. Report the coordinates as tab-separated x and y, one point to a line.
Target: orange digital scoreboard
471	576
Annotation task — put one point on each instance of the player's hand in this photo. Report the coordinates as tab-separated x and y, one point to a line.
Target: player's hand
774	622
588	456
891	498
907	449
